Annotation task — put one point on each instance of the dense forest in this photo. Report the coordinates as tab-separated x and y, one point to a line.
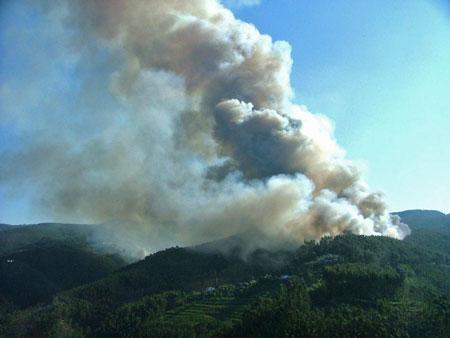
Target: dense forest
54	284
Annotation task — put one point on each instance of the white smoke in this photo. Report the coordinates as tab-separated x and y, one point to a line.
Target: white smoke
205	140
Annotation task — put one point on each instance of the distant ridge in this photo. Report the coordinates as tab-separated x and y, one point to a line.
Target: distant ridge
420	219
4	227
421	213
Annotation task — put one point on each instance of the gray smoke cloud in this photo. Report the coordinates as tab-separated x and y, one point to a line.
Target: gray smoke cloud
204	140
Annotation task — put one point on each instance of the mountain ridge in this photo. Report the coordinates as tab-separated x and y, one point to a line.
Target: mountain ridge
348	286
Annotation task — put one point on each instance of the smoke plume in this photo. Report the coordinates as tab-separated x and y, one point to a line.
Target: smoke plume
185	130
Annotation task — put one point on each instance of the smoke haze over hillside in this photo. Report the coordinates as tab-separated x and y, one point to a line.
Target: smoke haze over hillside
183	129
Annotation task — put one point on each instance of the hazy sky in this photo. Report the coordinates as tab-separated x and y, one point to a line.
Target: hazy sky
379	69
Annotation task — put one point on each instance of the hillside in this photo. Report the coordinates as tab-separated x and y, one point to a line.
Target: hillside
14	238
425	219
38	261
347	286
4	227
37	272
430	229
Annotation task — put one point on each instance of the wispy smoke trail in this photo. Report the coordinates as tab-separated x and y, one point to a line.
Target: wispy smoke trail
205	140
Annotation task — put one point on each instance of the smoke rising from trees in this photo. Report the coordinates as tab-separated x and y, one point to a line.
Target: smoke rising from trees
202	140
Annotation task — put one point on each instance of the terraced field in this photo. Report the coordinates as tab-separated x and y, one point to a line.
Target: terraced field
222	307
214	307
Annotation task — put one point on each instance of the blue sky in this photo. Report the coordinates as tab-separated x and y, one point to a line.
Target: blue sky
379	69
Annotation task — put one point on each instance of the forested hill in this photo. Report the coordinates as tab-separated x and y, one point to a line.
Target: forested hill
349	286
418	219
430	229
4	227
15	237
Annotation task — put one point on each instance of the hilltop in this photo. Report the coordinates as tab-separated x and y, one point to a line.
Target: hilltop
346	286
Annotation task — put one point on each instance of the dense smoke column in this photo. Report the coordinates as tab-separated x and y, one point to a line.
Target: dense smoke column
226	149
